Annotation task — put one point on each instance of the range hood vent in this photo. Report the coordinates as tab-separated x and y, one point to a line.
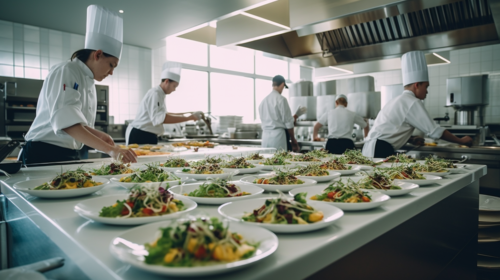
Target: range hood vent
448	17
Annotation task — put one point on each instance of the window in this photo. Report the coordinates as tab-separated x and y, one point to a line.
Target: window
236	59
191	94
271	67
187	51
231	95
294	72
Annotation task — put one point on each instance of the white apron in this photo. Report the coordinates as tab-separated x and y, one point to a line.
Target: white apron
369	148
127	133
275	138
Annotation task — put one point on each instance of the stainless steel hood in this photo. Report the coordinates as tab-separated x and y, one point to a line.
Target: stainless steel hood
389	32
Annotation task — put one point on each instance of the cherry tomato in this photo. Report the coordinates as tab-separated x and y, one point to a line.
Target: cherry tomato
164	208
125	211
331	194
366	199
200	253
147	211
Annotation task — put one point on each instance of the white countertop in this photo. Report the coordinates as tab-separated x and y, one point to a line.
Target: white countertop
298	255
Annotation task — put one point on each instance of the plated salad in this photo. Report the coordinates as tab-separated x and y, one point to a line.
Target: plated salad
281	178
114	168
70	180
239	162
204	169
306	158
275	160
379	179
402	158
282	210
283	154
428	168
255	156
403	173
345	192
152	173
321	153
310	170
355	157
334	165
143	202
175	162
217	188
439	162
198	242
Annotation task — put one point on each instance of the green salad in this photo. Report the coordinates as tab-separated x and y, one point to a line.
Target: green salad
114	168
175	162
152	173
217	188
378	179
355	157
347	192
321	153
239	162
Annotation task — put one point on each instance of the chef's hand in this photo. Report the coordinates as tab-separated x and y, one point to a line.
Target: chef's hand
295	146
300	111
466	140
124	155
317	139
417	141
197	115
106	138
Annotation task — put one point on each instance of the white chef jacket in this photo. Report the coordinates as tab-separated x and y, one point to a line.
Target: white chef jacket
275	116
61	106
341	122
152	112
397	120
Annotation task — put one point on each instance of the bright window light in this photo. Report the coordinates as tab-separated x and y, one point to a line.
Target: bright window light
191	94
237	59
228	94
271	67
187	51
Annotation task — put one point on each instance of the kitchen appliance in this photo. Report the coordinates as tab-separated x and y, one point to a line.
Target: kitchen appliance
307	101
326	88
468	95
7	145
365	104
301	88
389	92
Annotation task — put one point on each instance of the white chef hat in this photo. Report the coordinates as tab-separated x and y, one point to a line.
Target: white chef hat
104	31
414	68
341	96
171	70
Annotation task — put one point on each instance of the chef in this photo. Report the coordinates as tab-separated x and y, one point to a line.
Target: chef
340	123
152	113
395	123
277	120
67	103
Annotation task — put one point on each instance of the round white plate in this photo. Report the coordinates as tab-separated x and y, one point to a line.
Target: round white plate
246	170
327	178
271	167
305	162
109	177
128	247
377	199
90	209
405	188
355	169
173	169
429	180
441	174
273	188
235	211
226	174
362	167
183	189
489	203
461	168
152	184
25	186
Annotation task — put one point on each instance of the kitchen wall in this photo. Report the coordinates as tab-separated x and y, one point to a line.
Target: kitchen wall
465	62
30	51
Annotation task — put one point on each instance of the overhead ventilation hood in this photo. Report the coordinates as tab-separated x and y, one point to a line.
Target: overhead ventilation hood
389	31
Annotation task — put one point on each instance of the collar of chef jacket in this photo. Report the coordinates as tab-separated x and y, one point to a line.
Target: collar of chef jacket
85	68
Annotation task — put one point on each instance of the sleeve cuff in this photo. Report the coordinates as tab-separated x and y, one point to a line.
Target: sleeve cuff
66	117
436	133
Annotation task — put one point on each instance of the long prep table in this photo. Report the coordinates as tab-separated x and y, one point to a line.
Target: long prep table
432	229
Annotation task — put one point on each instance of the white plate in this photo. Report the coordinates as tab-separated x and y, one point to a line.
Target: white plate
226	174
305	162
246	170
461	168
273	188
355	169
90	209
163	184
25	186
405	188
362	167
182	189
429	180
109	177
173	169
377	199
489	203
441	174
327	178
128	247
271	167
235	211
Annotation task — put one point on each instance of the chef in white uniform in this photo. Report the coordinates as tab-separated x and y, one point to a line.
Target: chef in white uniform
277	120
67	103
152	113
340	123
395	123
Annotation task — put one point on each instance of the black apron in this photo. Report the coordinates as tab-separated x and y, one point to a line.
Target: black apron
383	149
138	136
288	143
339	145
41	152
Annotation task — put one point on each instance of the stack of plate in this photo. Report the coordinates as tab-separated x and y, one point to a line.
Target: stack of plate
489	235
228	121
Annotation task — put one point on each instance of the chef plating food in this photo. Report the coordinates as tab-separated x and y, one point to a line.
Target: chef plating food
395	123
67	103
277	120
340	122
152	113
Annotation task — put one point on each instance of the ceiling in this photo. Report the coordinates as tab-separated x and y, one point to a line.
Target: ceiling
146	23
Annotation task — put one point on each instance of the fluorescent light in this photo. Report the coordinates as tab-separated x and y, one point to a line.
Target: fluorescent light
341	69
438	56
265	20
120	11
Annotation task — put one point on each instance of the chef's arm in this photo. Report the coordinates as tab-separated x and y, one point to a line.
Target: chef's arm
295	119
174	118
295	144
448	136
367	128
317	126
101	135
81	134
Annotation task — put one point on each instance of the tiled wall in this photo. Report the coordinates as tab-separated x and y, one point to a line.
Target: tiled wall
465	62
29	52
